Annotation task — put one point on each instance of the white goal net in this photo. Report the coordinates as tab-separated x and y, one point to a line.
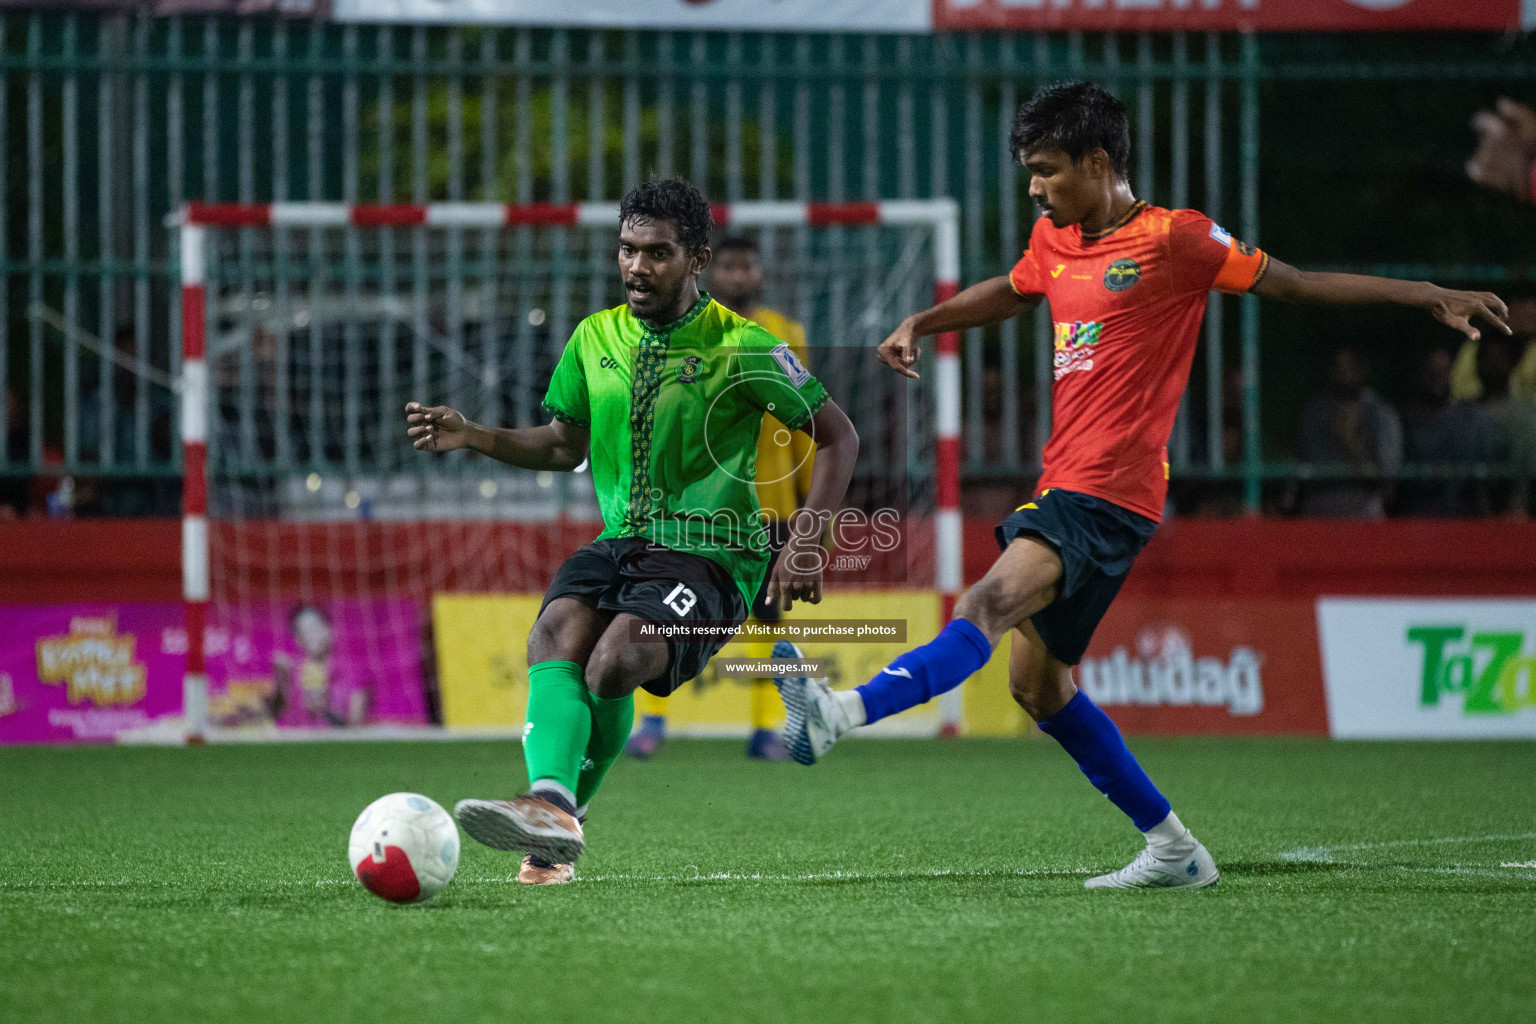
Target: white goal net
328	536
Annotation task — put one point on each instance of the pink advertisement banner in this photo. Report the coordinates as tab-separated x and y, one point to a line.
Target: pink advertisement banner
86	673
90	673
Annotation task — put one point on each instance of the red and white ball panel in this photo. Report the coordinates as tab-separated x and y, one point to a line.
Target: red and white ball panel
404	848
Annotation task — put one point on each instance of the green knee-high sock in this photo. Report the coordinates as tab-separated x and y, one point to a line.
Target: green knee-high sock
611	722
559	723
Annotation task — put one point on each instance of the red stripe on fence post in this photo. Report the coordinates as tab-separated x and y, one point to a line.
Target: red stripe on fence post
230	215
553	214
947	467
194	497
824	214
375	215
193	325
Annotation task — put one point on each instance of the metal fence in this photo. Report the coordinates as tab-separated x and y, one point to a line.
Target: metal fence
109	122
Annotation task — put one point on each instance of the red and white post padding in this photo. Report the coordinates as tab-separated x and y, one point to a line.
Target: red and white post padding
948	543
942	214
194	494
788	213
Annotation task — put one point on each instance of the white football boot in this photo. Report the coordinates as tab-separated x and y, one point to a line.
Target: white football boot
813	718
1194	870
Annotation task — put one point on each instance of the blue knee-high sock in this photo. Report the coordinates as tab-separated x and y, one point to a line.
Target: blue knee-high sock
923	673
1096	745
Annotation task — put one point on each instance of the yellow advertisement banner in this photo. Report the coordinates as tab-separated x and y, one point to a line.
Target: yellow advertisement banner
482	656
481	642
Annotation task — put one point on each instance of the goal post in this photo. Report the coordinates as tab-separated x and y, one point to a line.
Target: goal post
201	225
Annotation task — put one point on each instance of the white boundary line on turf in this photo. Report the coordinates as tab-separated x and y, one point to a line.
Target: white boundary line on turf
1324	854
752	876
1506	870
171	735
1482	872
859	876
842	876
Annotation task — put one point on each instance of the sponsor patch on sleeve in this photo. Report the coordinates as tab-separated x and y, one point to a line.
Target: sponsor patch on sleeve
1220	234
790	363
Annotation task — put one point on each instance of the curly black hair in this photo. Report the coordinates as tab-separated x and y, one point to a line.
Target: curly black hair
1076	118
673	199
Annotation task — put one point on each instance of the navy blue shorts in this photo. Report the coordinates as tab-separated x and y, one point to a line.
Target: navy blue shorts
1097	541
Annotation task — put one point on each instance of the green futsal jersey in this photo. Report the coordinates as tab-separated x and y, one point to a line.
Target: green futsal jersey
675	413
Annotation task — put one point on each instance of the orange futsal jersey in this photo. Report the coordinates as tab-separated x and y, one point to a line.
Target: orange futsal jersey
1127	304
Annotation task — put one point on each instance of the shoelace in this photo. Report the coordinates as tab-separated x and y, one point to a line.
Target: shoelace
1146	858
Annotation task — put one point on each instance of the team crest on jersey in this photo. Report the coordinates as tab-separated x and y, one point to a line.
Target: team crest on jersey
785	356
690	370
1122	274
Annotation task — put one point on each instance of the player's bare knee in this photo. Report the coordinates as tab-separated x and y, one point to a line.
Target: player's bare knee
1042	694
997	603
551	639
618	669
1026	694
604	672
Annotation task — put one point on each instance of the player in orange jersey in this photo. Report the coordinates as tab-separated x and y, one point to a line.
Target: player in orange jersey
1127	285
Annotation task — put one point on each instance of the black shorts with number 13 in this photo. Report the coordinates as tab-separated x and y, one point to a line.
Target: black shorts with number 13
635	576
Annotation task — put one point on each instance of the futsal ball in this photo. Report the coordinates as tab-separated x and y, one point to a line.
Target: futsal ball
404	848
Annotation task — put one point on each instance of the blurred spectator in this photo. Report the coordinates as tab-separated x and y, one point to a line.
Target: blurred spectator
1444	434
13	489
997	495
1497	357
126	495
1350	424
1505	159
1218	497
1522	385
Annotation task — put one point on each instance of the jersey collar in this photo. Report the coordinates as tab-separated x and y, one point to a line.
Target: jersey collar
1125	218
682	321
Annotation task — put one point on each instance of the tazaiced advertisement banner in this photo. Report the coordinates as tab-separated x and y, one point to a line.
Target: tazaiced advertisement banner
1231	15
101	673
86	673
1202	665
1429	669
747	15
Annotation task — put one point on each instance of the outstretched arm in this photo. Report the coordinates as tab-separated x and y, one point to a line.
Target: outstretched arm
990	302
1452	308
797	574
555	446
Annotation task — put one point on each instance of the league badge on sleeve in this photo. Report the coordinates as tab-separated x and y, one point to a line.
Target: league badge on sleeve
790	363
1220	234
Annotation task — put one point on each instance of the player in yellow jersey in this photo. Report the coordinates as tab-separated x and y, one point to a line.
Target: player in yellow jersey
784	460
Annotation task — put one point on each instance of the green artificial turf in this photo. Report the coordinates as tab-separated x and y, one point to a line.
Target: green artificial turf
897	881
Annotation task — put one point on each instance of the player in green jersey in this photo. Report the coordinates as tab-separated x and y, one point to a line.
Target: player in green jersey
665	395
